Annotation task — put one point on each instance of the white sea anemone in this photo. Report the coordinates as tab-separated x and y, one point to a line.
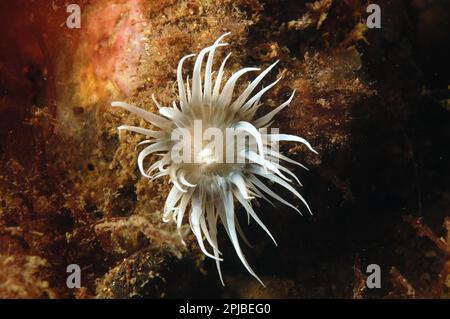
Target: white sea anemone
208	186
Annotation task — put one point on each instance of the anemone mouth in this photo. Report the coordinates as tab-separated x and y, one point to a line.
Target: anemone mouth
206	172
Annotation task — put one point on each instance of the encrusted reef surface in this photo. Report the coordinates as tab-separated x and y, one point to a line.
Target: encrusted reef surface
373	102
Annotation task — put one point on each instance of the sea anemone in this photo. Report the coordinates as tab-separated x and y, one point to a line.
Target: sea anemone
204	183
